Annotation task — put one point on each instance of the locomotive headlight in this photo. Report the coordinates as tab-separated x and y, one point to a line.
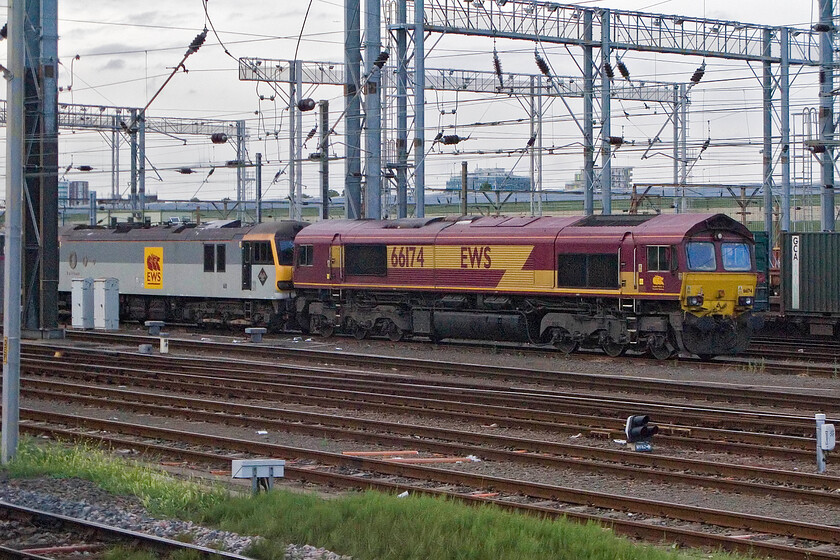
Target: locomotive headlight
694	301
746	301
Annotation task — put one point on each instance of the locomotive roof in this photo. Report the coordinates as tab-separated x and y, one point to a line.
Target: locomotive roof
286	228
614	226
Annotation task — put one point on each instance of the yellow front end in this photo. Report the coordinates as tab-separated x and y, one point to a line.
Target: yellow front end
282	273
717	293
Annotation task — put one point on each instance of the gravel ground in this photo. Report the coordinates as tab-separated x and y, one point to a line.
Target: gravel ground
670	370
82	499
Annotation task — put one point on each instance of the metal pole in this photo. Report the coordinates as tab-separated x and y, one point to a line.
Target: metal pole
133	134
606	150
588	123
298	144
533	108
784	87
373	113
352	120
240	171
767	151
141	166
464	190
419	110
258	187
115	160
539	152
292	139
676	122
683	146
827	114
48	214
325	159
402	110
92	210
14	245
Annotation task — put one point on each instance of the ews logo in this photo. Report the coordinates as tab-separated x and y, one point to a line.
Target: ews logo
153	259
475	257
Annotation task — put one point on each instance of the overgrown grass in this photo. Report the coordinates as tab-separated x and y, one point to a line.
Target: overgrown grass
367	526
159	493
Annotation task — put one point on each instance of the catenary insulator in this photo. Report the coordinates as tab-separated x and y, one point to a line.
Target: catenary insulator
698	74
608	70
381	59
451	139
218	138
622	69
197	42
306	104
542	65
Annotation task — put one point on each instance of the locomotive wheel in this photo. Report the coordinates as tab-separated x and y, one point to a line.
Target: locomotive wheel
562	340
359	332
613	349
660	352
393	332
320	325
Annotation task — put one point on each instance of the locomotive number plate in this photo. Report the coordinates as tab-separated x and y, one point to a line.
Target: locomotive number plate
410	256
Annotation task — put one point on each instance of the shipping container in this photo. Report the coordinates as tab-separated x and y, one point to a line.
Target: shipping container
811	279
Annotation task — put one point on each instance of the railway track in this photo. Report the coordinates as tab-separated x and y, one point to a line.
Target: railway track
196	389
105	536
653	520
394	392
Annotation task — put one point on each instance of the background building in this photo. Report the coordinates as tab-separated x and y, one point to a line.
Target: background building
622	180
490	179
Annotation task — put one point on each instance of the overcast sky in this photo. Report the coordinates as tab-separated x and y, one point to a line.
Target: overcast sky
126	50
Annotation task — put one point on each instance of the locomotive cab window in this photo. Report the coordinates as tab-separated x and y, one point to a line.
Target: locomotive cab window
366	260
659	258
736	257
285	253
305	255
262	252
701	255
587	271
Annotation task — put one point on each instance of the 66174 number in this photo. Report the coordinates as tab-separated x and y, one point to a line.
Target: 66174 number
407	257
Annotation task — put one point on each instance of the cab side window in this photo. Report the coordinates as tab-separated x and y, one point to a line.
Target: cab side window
304	255
659	258
262	253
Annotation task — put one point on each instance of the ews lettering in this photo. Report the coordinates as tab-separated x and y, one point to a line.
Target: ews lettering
475	257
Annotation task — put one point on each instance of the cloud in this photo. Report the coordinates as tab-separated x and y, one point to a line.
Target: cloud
113	64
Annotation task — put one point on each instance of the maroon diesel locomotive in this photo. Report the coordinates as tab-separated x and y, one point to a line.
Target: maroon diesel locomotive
660	284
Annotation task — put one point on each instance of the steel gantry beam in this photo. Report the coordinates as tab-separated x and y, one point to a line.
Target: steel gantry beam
446	79
550	22
106	118
474	81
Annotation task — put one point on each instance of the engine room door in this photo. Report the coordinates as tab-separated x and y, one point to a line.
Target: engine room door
335	261
246	265
628	265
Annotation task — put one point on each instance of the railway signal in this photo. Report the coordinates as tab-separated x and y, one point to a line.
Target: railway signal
639	431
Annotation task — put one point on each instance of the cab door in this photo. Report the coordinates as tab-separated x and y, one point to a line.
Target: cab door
629	265
246	265
335	261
